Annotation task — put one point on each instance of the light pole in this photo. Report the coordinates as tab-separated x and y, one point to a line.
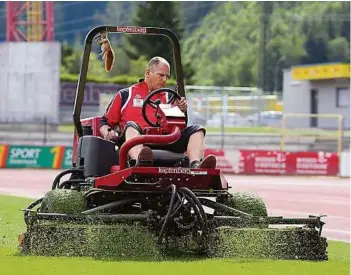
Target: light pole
276	71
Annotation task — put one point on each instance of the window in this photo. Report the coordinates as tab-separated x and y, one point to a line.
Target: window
342	97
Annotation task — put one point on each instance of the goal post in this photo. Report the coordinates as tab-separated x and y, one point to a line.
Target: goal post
334	131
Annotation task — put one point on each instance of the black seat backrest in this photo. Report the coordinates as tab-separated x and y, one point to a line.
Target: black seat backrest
96	155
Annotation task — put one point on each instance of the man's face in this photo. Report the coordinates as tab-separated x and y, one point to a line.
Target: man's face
157	76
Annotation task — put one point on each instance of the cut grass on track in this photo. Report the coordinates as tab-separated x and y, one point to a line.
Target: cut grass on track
11	223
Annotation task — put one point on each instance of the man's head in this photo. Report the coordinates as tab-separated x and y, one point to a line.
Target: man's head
157	73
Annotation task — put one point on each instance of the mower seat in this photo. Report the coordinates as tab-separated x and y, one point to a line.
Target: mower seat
163	158
167	158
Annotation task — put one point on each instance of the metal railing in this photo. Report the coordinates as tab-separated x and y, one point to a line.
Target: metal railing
330	131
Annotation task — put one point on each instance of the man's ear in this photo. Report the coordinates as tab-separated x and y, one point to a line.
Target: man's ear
147	72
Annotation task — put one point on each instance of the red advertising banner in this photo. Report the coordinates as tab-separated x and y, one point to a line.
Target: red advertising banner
264	162
316	163
244	162
288	163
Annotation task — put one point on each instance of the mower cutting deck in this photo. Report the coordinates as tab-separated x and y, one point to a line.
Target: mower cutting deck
110	208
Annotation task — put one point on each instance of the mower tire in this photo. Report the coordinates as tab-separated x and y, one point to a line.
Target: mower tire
248	203
63	201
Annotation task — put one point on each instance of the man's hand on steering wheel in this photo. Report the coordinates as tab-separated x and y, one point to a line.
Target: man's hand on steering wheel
182	104
154	104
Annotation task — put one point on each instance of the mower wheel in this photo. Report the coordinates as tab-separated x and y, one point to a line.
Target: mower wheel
63	201
248	203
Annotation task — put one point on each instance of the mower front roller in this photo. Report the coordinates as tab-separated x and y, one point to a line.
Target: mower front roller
242	229
60	228
64	201
128	241
270	243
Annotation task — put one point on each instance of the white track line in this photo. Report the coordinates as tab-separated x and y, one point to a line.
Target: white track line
304	214
342	232
284	182
333	202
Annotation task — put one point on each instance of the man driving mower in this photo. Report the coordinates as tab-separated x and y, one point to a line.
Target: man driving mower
125	111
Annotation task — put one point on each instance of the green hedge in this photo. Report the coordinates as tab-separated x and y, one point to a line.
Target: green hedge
120	79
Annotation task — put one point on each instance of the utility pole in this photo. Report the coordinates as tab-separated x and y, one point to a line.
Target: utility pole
264	18
277	69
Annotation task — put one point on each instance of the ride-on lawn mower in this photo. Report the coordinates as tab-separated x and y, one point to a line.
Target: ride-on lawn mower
111	208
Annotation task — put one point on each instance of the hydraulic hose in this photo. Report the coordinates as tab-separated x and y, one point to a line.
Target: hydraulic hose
56	182
195	207
109	206
198	204
177	202
168	215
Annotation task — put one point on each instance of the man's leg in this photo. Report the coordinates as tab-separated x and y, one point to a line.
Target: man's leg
196	147
135	151
143	155
192	140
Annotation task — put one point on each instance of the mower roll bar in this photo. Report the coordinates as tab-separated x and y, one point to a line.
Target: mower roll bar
128	30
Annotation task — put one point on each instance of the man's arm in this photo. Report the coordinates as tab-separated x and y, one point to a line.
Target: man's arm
182	104
111	118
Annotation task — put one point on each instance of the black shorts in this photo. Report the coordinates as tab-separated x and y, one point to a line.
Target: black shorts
180	146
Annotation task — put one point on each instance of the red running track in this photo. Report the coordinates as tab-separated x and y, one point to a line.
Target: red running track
301	197
284	196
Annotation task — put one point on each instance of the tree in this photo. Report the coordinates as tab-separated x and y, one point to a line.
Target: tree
225	49
194	12
71	58
96	66
339	50
345	29
119	13
226	45
154	14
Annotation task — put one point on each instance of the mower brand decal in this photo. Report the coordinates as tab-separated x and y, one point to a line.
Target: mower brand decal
180	170
198	172
170	170
127	29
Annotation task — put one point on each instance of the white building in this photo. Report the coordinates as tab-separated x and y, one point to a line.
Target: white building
322	89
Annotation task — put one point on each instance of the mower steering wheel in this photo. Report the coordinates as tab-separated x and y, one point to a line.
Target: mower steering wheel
154	104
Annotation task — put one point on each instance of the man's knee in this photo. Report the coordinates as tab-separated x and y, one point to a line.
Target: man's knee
130	131
198	134
196	131
133	125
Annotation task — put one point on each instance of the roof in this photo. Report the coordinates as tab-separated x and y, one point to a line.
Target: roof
320	71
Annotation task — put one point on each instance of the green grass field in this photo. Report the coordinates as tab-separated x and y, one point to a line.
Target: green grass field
11	223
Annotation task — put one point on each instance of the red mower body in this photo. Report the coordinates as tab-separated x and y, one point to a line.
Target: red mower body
121	176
